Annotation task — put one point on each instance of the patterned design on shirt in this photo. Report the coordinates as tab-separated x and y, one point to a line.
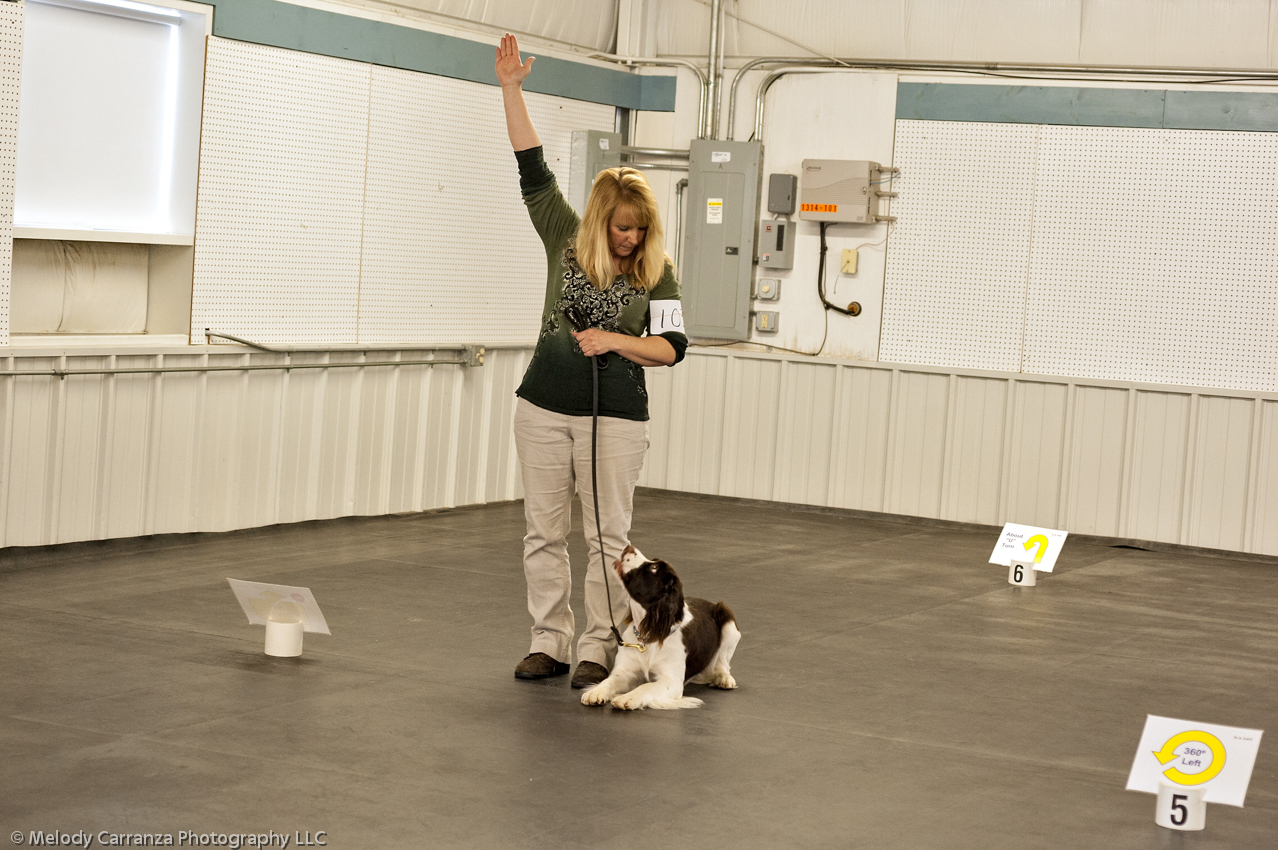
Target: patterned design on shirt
602	308
636	375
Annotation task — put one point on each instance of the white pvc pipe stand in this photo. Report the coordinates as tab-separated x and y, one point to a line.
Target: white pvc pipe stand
1022	574
1181	807
283	640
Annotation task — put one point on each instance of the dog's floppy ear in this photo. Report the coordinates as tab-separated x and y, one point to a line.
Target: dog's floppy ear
666	611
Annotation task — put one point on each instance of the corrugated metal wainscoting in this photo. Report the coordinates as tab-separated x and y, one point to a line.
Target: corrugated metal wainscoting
91	457
1140	461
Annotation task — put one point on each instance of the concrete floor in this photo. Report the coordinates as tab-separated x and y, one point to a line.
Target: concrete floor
895	691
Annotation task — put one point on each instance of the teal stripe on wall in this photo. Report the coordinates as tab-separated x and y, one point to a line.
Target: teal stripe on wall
1089	107
1209	110
346	37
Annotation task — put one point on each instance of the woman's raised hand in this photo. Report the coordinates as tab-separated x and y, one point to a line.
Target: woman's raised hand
510	71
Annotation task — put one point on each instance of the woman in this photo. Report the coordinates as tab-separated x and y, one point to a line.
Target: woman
608	268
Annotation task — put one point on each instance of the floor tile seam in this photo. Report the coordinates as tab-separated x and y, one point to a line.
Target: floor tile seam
154	736
213	671
890	542
96	618
1162	614
1097	772
40	721
274	758
396	670
1265	631
110	620
1127	608
606	815
896	617
1092	654
389	671
513	574
361	665
863	626
1254	668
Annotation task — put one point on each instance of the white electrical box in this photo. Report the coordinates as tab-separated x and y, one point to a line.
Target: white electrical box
842	190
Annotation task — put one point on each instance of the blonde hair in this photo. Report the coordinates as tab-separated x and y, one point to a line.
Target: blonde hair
621	189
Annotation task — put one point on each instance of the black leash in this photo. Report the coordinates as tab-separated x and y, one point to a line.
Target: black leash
594	488
578	321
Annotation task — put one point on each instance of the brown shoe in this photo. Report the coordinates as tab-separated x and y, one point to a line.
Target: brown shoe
588	674
539	665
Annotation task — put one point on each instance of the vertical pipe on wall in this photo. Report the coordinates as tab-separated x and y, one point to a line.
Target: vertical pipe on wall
678	229
1255	462
711	130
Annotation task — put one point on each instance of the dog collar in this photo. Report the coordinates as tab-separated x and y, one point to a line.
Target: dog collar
640	644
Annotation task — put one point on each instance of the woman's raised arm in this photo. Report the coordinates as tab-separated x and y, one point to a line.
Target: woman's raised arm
511	73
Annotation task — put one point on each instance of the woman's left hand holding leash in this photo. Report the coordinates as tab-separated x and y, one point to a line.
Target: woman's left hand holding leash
595	341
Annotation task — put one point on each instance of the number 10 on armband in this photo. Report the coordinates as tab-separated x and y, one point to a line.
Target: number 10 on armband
666	316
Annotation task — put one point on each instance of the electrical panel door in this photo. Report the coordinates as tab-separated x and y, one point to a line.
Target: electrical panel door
592	152
719	240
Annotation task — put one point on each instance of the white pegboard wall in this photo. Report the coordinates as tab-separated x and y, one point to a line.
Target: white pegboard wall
282	163
954	285
12	16
1154	257
449	253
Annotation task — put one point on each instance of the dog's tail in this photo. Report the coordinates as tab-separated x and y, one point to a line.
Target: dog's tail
681	702
722	615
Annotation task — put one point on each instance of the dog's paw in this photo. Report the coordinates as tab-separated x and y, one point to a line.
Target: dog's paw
598	695
723	680
627	702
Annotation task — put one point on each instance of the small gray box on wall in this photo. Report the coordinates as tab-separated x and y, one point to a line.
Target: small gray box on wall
783	189
724	183
776	244
592	152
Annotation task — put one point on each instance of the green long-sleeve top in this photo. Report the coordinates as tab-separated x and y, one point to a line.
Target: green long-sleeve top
559	375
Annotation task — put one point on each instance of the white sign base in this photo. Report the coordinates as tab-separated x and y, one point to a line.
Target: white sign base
1180	807
284	640
1022	574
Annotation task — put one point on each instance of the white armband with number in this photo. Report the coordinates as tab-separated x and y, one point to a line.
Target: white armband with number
666	316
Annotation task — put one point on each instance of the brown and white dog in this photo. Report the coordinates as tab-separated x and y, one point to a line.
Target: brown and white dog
688	640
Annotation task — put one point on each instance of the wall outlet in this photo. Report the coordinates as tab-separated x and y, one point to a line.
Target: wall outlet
765	321
767	289
849	261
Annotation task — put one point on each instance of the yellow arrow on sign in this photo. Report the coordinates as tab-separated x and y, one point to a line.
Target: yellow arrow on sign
1040	541
1168	752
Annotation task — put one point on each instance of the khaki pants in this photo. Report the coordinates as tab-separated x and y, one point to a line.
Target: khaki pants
554	456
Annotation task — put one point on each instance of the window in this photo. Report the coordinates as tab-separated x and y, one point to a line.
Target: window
108	149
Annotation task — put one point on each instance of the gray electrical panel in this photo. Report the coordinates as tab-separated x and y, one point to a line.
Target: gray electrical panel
776	244
724	182
592	152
